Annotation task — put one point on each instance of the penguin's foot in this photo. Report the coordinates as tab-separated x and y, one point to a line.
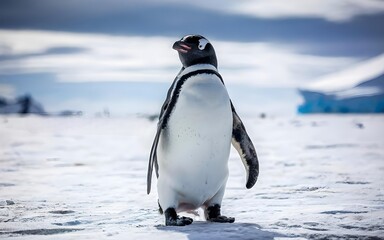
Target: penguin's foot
172	219
213	214
222	219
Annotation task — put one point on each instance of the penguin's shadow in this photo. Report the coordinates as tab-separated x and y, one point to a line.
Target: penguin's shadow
206	230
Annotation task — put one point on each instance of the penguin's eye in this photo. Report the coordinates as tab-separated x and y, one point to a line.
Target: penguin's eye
202	43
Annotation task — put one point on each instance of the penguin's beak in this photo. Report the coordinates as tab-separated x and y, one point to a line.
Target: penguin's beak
181	47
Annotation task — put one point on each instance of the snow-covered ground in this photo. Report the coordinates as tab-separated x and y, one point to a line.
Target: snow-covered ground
321	176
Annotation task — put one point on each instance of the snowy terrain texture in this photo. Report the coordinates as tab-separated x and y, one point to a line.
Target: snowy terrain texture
366	97
321	177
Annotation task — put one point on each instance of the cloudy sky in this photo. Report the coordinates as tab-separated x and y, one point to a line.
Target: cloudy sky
89	55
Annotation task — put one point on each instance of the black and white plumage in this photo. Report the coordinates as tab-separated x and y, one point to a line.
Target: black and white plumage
196	126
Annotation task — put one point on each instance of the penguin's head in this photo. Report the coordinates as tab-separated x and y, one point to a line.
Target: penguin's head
195	49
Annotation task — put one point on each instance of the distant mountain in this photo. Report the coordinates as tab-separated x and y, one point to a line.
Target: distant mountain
365	97
22	105
25	105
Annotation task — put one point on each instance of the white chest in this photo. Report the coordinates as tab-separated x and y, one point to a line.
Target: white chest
194	148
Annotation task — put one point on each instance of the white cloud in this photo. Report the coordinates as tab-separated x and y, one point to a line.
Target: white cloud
331	10
151	59
350	76
7	91
109	58
272	65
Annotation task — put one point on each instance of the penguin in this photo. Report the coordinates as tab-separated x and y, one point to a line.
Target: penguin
197	124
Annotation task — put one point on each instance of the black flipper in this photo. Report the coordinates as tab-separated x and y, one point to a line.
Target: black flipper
245	148
153	161
153	154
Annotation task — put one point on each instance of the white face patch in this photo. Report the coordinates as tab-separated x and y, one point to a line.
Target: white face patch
202	43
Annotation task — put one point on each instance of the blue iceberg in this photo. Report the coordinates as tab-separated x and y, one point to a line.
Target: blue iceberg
366	97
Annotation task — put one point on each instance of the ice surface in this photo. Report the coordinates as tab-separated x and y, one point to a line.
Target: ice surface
85	178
